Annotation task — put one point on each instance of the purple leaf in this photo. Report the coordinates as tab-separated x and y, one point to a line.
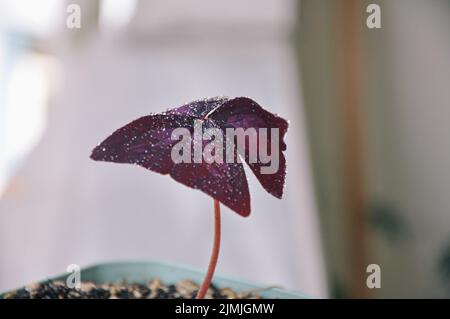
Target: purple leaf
148	142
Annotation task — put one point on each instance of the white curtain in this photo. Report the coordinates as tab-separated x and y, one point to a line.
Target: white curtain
67	209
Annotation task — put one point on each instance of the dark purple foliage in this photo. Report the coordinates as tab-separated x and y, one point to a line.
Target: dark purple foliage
147	142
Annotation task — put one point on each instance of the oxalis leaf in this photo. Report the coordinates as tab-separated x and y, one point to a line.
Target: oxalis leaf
150	140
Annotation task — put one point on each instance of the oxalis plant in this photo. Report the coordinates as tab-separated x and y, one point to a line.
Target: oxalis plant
202	145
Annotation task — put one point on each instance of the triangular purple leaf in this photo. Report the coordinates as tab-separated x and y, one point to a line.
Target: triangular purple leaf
147	142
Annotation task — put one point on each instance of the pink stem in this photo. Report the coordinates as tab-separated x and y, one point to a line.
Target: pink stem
214	255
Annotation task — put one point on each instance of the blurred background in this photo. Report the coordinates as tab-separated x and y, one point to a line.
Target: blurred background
368	148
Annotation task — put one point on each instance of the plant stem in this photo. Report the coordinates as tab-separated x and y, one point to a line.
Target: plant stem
214	255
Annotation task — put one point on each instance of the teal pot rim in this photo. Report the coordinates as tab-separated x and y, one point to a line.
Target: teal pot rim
143	271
